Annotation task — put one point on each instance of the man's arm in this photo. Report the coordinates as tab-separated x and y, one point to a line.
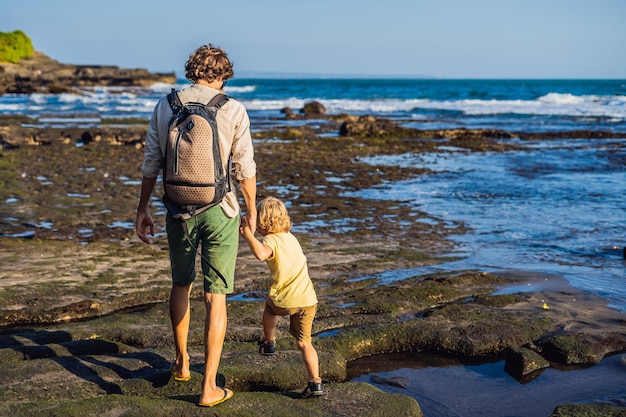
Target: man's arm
248	190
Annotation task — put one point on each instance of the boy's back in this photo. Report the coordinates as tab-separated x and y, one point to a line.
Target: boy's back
292	286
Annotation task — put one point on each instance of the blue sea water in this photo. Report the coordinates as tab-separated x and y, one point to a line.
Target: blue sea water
556	207
528	105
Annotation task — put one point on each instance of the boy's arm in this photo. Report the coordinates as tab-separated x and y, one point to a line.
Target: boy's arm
260	251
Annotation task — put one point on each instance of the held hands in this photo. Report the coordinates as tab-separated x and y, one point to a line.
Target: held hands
247	229
248	224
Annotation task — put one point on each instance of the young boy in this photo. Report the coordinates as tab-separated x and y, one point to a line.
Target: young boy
292	293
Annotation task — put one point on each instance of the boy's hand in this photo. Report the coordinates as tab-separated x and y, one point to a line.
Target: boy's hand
250	219
244	225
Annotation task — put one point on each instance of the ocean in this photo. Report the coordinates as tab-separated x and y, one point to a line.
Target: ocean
529	105
557	207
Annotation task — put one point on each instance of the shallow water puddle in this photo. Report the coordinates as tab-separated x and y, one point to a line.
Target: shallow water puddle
446	387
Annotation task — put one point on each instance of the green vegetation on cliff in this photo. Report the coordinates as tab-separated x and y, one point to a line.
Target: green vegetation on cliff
15	46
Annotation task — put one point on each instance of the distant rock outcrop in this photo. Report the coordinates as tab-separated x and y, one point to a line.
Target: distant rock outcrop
41	74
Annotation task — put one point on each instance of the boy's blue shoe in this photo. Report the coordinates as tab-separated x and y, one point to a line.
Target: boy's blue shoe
267	349
313	389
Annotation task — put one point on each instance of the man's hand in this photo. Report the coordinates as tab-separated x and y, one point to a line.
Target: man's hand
144	221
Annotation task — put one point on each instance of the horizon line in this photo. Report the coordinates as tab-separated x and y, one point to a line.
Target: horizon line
329	76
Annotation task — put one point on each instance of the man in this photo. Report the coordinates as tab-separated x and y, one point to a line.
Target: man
214	231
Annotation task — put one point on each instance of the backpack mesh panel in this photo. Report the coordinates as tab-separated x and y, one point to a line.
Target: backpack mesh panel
191	176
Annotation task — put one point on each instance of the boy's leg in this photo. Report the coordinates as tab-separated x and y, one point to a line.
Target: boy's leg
311	360
270	321
301	325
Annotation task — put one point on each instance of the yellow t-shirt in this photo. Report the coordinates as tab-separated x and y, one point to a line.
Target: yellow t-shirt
292	287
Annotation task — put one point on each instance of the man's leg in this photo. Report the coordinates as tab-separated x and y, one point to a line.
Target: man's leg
180	315
214	333
183	261
220	242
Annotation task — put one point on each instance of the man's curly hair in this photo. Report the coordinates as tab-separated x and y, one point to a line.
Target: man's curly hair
208	63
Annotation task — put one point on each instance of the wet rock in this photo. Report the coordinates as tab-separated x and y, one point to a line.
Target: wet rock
571	134
589	410
54	350
578	348
282	372
368	126
313	109
396	381
478	139
13	136
521	361
289	114
347	399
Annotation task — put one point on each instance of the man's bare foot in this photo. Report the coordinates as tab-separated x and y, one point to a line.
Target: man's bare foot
180	369
215	397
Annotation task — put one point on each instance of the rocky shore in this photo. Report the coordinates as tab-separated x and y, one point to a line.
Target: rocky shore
41	74
84	303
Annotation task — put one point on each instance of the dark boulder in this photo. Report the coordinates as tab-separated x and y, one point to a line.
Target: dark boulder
367	126
313	109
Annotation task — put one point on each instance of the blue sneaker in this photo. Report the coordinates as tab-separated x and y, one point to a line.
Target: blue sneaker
313	389
267	349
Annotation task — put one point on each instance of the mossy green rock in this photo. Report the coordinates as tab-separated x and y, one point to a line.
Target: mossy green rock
521	361
346	399
588	410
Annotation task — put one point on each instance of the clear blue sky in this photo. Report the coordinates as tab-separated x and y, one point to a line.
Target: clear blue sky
436	38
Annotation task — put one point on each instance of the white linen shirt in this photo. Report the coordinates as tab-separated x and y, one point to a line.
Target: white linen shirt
234	136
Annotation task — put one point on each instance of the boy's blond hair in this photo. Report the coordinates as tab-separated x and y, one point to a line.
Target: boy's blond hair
273	215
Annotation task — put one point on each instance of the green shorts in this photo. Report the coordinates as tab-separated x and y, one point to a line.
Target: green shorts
217	237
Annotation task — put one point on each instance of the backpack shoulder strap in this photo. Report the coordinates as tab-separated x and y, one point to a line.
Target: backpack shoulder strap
218	101
174	101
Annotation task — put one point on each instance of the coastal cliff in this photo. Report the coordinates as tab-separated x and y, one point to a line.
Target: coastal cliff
42	74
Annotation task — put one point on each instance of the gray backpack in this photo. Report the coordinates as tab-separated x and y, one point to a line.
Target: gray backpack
193	175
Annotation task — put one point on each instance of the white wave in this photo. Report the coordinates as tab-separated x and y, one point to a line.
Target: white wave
553	104
337	105
255	104
557	98
163	87
11	107
39	98
239	89
140	103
